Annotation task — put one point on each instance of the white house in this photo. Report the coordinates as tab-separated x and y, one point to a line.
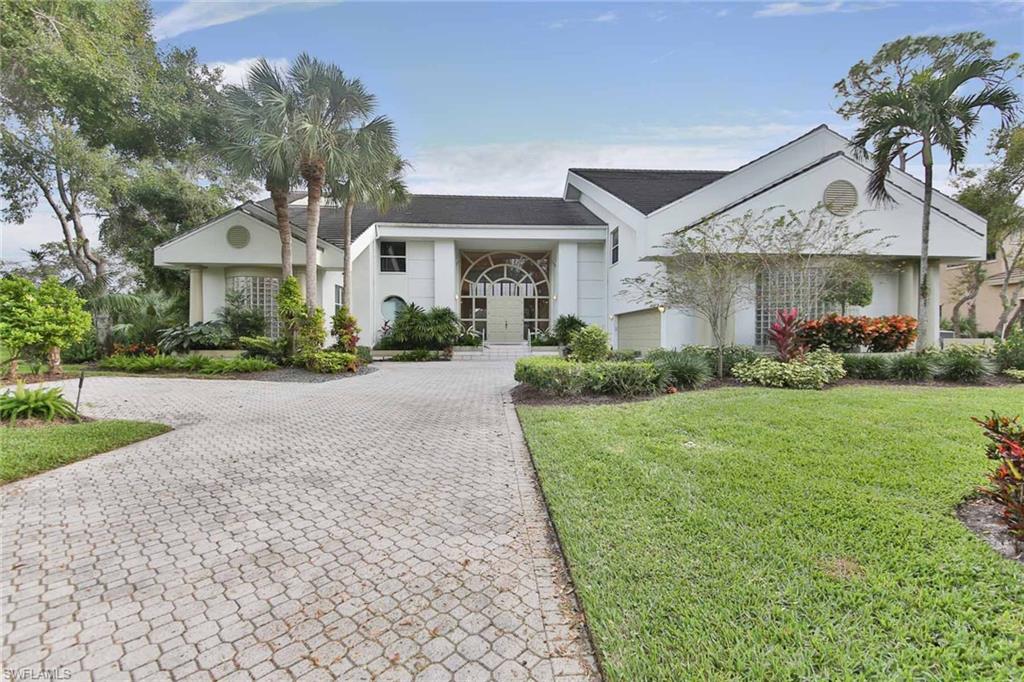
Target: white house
510	265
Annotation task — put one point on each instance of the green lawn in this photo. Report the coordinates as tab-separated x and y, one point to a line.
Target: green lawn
28	451
773	534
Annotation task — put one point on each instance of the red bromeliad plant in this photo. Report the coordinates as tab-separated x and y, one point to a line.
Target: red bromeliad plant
784	334
1006	483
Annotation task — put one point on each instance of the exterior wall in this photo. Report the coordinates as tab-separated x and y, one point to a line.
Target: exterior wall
987	306
590	284
565	279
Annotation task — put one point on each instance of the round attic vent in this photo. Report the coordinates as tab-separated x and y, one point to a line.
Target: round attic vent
238	236
840	197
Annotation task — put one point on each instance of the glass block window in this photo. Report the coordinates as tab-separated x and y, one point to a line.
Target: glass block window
615	246
392	256
786	289
259	293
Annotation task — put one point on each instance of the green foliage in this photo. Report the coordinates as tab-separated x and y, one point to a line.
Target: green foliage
364	354
874	366
143	364
328	361
274	350
589	344
963	364
682	368
240	318
85	350
291	308
912	367
64	317
815	370
1010	351
198	336
564	377
21	316
623	355
35	403
416	328
469	340
1006	483
543	338
849	283
36	319
416	355
565	326
731	355
154	311
344	327
1017	374
312	335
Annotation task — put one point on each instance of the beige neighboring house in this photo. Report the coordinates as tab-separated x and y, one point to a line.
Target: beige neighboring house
988	305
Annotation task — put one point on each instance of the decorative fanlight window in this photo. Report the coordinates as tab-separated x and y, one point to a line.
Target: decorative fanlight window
238	236
840	197
505	274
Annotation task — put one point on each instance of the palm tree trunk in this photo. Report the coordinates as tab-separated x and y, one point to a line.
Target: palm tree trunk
346	289
923	289
284	229
313	174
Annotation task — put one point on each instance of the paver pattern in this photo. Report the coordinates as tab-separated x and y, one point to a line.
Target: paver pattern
384	527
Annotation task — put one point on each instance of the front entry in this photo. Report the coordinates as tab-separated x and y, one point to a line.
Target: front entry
505	319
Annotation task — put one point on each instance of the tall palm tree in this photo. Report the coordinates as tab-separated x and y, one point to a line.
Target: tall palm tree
326	103
260	143
371	174
930	111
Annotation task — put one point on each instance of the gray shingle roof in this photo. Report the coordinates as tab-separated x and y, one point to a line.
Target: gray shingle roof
443	209
648	190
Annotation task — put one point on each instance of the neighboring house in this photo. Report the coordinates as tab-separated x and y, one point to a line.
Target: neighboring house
987	305
511	265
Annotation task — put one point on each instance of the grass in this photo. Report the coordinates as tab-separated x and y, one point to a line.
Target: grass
25	451
772	534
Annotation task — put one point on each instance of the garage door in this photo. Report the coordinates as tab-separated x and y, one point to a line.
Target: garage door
640	330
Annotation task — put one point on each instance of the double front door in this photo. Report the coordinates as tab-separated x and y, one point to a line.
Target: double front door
505	319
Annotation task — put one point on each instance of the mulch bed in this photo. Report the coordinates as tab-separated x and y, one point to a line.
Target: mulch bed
297	375
984	518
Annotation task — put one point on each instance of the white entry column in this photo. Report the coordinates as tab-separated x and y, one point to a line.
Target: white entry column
195	295
446	273
566	280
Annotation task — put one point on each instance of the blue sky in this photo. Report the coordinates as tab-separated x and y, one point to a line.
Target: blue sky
503	98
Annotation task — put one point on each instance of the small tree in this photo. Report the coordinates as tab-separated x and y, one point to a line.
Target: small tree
20	320
291	309
63	319
344	327
849	284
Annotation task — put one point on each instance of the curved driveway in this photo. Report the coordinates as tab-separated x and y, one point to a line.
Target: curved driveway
377	527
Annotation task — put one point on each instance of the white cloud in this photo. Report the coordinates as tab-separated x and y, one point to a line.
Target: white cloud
41	227
234	73
605	18
793	9
196	14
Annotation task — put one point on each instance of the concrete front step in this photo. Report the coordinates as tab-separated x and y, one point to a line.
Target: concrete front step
503	352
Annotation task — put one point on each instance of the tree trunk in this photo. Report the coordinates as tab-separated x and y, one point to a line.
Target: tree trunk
53	358
346	289
923	331
284	229
313	174
968	297
12	369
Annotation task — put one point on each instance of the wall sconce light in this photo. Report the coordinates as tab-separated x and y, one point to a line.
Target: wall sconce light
661	308
555	297
611	317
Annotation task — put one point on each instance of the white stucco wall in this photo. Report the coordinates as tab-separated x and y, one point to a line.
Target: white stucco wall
590	287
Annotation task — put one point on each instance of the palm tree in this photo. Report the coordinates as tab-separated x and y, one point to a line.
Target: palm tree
931	111
372	174
260	143
326	103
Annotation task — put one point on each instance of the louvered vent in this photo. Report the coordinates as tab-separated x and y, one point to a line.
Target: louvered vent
238	236
840	197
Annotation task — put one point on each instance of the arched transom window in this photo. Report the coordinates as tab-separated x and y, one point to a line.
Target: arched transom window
501	275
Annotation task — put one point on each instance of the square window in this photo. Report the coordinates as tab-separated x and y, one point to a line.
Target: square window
392	256
615	246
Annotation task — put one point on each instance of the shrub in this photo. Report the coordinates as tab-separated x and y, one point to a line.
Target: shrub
543	339
234	365
867	366
964	366
682	369
364	355
136	349
291	309
311	335
38	403
623	355
274	350
199	336
912	367
1009	352
891	333
344	327
784	334
1017	374
814	370
416	355
551	375
240	318
626	379
565	326
840	333
470	339
589	344
142	364
416	328
329	361
84	350
1006	483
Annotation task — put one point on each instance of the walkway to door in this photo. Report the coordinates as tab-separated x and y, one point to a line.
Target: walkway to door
378	527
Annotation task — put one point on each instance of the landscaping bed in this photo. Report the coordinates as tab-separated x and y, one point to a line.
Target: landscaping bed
298	375
774	534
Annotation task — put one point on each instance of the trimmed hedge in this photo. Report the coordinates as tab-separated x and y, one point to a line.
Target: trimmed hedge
564	377
877	366
142	364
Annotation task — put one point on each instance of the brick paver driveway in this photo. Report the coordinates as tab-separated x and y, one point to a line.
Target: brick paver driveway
377	527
